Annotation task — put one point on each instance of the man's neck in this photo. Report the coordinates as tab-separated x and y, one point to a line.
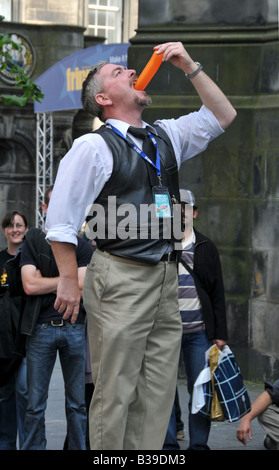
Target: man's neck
131	122
188	234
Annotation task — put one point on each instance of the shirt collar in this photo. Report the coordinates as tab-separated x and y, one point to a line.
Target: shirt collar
190	240
123	126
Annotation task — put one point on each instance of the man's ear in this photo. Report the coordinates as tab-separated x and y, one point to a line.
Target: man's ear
103	100
44	208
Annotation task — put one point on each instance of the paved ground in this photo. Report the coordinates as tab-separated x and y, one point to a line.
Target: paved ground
222	436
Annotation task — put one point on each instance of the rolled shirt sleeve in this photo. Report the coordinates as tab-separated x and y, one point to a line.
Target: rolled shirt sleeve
81	176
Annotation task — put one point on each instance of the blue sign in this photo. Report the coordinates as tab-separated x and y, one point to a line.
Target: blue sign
62	83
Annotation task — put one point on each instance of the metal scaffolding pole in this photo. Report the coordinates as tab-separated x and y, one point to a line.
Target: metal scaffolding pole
44	162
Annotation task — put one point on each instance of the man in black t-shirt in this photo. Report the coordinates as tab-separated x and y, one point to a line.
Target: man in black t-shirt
51	334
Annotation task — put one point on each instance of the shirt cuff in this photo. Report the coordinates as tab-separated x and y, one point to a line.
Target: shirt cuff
62	233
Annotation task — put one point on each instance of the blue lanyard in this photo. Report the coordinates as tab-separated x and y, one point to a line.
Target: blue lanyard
141	153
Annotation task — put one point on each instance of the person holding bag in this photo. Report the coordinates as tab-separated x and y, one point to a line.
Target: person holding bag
202	309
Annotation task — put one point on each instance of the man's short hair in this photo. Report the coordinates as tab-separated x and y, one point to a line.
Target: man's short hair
92	85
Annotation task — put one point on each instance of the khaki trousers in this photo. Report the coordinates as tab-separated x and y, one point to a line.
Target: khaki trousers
269	420
134	329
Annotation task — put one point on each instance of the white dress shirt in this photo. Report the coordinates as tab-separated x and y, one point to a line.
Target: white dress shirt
88	165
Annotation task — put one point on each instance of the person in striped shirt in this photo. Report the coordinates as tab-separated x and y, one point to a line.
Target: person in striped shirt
202	308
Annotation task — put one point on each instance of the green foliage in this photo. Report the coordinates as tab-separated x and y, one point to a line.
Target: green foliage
28	87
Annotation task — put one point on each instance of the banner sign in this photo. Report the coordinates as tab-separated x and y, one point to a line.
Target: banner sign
62	83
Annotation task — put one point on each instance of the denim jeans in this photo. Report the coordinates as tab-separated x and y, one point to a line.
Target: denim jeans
41	352
13	405
194	346
171	442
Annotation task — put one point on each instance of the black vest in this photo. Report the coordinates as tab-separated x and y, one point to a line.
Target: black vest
134	234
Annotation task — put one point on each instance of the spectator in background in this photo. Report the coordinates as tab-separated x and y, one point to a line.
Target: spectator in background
203	312
13	387
266	409
48	334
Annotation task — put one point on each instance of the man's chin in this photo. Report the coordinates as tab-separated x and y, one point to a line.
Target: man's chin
144	102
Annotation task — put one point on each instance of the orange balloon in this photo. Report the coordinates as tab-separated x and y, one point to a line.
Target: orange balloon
149	71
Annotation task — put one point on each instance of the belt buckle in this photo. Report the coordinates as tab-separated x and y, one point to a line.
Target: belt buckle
57	322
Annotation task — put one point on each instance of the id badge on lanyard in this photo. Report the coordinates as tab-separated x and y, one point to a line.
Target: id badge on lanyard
161	197
162	201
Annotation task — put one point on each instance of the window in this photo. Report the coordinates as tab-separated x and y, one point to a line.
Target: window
6	9
104	19
52	11
109	19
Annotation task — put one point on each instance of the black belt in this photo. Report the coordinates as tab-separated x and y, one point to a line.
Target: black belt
171	256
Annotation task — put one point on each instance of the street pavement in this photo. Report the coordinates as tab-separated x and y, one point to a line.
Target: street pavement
222	435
